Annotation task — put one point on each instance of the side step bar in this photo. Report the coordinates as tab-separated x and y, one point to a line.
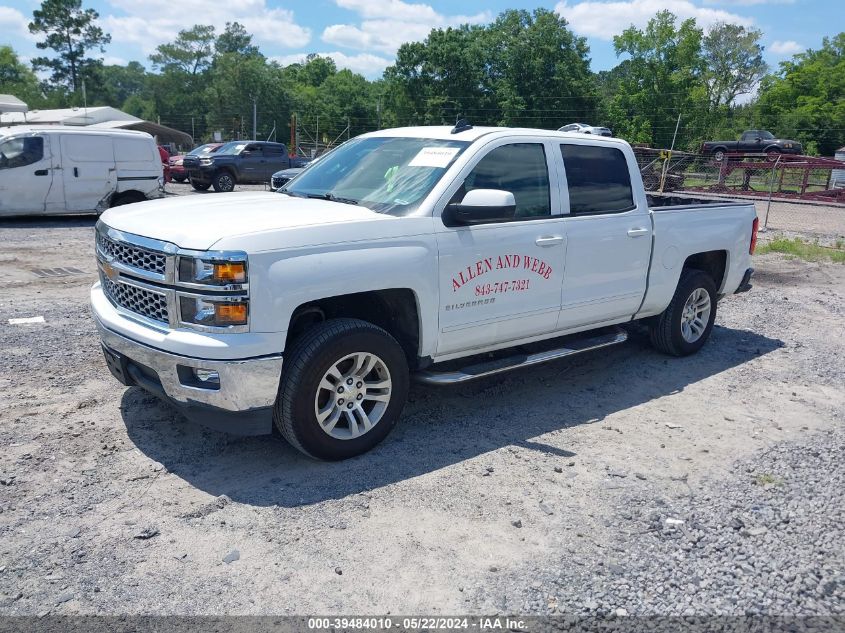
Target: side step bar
479	370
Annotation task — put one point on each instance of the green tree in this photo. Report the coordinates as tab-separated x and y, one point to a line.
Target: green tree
17	79
805	99
191	52
733	62
524	69
235	39
664	78
70	31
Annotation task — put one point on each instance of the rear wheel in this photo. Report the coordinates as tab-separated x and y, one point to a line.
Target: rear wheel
343	388
223	182
200	186
685	325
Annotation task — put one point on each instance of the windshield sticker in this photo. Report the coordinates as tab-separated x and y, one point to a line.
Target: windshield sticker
434	157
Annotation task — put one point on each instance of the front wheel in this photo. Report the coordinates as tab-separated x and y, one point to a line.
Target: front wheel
685	325
223	182
200	186
344	385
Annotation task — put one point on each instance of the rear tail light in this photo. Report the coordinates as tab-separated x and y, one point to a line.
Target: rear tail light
753	244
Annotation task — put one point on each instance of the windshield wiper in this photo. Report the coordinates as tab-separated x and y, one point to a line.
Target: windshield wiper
330	196
292	194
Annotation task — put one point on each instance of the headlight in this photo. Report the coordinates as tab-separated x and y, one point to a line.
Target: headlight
205	161
224	271
212	312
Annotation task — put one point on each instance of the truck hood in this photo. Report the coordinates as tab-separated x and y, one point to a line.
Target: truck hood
199	221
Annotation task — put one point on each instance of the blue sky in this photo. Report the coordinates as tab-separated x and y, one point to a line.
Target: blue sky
363	35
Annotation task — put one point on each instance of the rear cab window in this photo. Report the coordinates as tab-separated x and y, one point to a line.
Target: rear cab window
598	179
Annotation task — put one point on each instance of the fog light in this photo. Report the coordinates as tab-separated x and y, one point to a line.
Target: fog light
207	376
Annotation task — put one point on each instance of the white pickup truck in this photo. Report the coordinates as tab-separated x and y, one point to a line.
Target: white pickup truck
436	253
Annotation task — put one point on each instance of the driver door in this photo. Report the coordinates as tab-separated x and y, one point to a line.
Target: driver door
26	174
502	281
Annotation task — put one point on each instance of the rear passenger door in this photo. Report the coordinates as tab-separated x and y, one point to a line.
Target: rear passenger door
276	159
501	281
609	236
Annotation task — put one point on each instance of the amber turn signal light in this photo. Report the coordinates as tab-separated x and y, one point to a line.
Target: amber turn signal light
230	272
230	313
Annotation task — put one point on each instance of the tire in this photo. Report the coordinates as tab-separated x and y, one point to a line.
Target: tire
772	154
667	331
128	197
223	182
340	345
200	186
719	154
179	178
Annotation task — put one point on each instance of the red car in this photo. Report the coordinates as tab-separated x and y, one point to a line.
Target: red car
177	170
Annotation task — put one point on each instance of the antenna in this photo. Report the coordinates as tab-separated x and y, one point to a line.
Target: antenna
461	126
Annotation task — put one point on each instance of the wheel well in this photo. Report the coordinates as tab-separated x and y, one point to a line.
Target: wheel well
393	310
133	195
713	263
713	150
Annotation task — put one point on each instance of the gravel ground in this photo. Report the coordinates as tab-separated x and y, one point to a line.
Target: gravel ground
619	480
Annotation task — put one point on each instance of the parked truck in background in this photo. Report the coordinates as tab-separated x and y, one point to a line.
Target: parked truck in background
238	162
434	253
752	142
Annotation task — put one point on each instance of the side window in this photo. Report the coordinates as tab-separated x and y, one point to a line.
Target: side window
20	152
519	168
273	151
598	179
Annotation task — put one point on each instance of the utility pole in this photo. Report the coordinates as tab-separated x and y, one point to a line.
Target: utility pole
348	129
317	137
193	134
378	112
254	118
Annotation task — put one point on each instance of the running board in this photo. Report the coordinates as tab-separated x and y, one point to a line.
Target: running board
479	370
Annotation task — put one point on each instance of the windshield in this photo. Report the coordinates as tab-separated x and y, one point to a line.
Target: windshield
766	135
208	148
385	174
232	148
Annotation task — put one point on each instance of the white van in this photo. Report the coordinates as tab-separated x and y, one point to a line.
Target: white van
57	169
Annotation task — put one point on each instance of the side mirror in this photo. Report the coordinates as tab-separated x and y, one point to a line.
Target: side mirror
481	206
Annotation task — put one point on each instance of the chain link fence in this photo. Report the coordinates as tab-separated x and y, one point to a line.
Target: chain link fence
792	193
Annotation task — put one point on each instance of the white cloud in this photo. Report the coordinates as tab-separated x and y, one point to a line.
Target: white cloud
789	47
364	63
152	22
747	3
15	24
387	24
603	20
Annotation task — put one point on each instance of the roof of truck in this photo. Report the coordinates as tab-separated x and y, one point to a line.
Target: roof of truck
444	132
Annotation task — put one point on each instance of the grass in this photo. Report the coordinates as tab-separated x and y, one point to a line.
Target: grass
767	479
803	250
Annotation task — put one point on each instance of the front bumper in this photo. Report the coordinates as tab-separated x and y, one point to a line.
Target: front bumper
200	174
241	402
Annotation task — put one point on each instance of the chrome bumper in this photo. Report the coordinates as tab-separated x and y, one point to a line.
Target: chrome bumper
245	392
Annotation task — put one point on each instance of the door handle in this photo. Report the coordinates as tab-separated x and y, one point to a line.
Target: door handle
41	172
549	240
76	172
638	232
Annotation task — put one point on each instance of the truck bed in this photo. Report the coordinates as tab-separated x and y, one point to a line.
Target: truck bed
657	201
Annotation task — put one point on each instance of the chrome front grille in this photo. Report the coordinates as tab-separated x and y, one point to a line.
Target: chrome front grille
134	256
147	303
